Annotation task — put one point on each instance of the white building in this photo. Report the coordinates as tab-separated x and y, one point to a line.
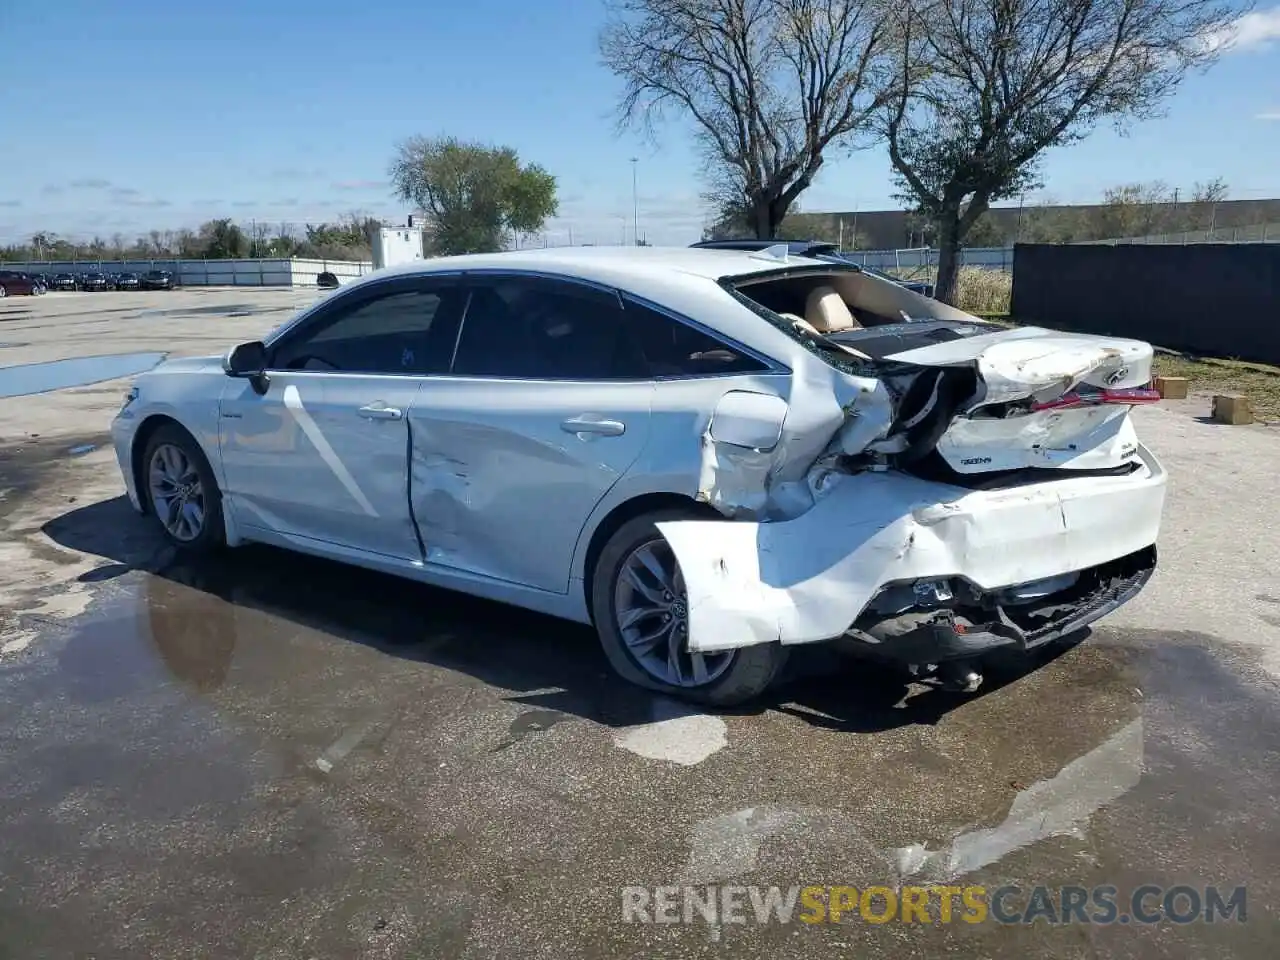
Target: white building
395	245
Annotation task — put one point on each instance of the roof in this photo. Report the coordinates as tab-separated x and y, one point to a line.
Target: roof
681	279
795	247
607	264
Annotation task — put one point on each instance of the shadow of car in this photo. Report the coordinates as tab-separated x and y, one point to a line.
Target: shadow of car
542	661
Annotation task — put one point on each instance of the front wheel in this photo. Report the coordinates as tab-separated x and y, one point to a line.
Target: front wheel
182	491
3	292
640	608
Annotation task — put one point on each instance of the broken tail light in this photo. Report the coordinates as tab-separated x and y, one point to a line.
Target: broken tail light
1127	397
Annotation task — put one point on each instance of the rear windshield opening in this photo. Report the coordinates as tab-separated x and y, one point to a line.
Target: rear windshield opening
832	301
834	311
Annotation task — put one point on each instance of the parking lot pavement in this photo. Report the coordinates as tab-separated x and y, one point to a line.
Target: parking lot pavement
276	756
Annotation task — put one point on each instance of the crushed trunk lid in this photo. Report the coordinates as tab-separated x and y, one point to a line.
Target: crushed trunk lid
1024	398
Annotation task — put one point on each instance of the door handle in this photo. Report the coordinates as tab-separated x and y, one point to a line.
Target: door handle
596	425
380	411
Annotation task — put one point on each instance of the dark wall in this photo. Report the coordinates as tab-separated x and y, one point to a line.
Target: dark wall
1219	300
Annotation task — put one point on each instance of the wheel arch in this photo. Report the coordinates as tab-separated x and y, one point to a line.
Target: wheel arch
624	512
141	437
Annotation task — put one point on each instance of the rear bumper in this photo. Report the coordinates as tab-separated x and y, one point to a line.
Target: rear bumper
811	578
937	636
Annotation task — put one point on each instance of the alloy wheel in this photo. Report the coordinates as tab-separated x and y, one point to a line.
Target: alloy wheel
177	494
653	619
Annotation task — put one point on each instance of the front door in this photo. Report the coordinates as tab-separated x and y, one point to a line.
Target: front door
544	410
322	454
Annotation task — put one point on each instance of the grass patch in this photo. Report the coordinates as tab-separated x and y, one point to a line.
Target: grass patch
1257	381
978	291
981	291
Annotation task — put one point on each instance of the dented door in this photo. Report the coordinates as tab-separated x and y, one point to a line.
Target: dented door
503	474
543	411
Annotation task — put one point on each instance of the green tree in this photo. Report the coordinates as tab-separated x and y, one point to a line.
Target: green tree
988	85
477	197
221	240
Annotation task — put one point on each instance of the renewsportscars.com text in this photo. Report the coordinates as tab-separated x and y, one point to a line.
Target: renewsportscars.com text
1009	904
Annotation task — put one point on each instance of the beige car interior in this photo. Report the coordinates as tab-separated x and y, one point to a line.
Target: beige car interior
845	300
826	311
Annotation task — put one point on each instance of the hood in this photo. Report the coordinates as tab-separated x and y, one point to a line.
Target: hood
189	365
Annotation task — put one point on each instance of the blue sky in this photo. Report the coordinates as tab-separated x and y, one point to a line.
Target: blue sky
146	114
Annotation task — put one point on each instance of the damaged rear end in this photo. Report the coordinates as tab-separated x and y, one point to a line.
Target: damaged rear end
984	487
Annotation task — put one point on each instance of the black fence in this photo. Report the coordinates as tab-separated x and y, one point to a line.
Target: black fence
1220	300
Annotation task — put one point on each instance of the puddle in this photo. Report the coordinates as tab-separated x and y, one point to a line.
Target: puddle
29	378
221	310
81	449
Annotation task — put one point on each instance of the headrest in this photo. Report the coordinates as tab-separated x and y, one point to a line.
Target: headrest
826	311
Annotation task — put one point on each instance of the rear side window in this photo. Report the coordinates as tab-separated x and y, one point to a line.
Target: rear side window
674	349
540	329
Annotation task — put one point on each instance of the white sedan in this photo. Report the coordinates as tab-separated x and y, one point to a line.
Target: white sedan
710	455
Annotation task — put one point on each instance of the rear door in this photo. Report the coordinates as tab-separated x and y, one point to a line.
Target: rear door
546	406
323	453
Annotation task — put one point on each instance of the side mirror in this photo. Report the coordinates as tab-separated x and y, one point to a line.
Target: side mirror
248	360
245	360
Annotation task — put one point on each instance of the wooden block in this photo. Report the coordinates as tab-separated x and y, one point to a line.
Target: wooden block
1171	388
1232	408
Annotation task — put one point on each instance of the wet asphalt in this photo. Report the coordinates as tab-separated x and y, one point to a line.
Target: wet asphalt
272	756
275	756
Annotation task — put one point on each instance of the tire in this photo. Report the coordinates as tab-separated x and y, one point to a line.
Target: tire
179	531
733	676
3	292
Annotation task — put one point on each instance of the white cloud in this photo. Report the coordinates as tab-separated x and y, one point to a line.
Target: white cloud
1268	115
1256	30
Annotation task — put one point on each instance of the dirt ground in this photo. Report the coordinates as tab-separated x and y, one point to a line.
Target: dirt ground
276	756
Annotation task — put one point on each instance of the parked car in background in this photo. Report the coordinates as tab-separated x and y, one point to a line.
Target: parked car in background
128	281
63	281
95	281
823	250
156	280
709	455
15	284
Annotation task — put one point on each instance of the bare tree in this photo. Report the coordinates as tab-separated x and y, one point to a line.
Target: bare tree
1007	79
769	85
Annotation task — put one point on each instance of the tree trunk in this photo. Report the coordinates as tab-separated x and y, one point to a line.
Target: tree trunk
762	220
944	287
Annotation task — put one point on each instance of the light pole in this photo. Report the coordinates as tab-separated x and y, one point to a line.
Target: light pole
635	205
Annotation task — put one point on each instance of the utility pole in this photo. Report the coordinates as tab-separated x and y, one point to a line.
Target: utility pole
635	204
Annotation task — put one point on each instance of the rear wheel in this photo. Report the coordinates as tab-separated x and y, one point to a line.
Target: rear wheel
182	492
3	292
640	609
